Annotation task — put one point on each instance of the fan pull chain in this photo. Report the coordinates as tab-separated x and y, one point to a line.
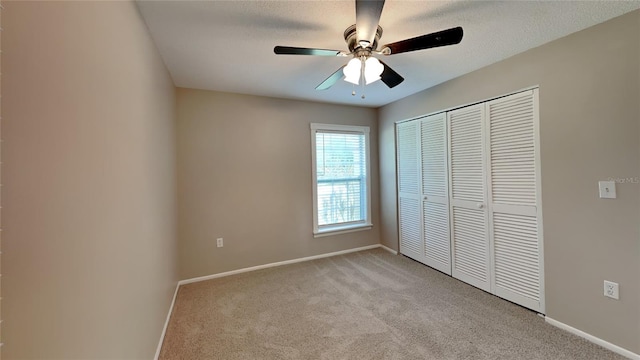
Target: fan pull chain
362	76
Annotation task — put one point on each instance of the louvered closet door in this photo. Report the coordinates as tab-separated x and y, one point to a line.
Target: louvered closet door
515	199
409	197
435	198
469	230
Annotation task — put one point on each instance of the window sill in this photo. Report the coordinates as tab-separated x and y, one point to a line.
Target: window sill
337	230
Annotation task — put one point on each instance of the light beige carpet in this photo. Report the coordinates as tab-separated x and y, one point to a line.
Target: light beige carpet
366	305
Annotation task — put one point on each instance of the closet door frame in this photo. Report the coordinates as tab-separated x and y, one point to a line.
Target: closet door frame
489	206
536	134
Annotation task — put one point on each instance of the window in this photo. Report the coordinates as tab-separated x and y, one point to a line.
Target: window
341	186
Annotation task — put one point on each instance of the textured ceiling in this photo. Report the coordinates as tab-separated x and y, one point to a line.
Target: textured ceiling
228	45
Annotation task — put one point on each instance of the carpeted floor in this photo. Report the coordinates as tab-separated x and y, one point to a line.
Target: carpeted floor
365	305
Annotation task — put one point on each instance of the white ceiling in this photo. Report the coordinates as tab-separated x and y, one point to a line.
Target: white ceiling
228	45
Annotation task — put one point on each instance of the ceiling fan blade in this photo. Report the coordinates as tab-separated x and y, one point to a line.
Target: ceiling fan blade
331	80
289	50
390	77
441	38
367	18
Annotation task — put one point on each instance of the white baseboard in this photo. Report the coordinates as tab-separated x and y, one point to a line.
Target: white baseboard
596	340
389	250
166	322
280	263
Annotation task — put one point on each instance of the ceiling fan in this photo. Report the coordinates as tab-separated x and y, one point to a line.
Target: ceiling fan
362	40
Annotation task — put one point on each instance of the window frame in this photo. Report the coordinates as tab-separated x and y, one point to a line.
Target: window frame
335	229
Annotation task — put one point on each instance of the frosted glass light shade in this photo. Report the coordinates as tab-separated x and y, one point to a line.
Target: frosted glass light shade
372	70
352	71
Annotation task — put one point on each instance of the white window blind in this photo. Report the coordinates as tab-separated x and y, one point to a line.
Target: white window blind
341	177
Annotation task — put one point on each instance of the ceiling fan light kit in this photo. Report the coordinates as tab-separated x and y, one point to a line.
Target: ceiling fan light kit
371	67
362	41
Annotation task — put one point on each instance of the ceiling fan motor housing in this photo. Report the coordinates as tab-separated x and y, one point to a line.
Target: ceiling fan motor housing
352	41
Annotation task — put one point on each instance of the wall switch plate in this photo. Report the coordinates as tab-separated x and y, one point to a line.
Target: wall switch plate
607	189
220	242
611	290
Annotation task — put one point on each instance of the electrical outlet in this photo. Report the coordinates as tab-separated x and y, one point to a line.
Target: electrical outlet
611	290
220	242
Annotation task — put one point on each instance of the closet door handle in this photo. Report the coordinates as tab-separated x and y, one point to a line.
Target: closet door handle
480	206
425	197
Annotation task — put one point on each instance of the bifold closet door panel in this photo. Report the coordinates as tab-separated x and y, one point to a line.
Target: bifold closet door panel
409	190
515	216
435	199
469	222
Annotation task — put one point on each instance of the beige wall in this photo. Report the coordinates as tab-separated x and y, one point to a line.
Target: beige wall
589	121
89	265
89	203
244	174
